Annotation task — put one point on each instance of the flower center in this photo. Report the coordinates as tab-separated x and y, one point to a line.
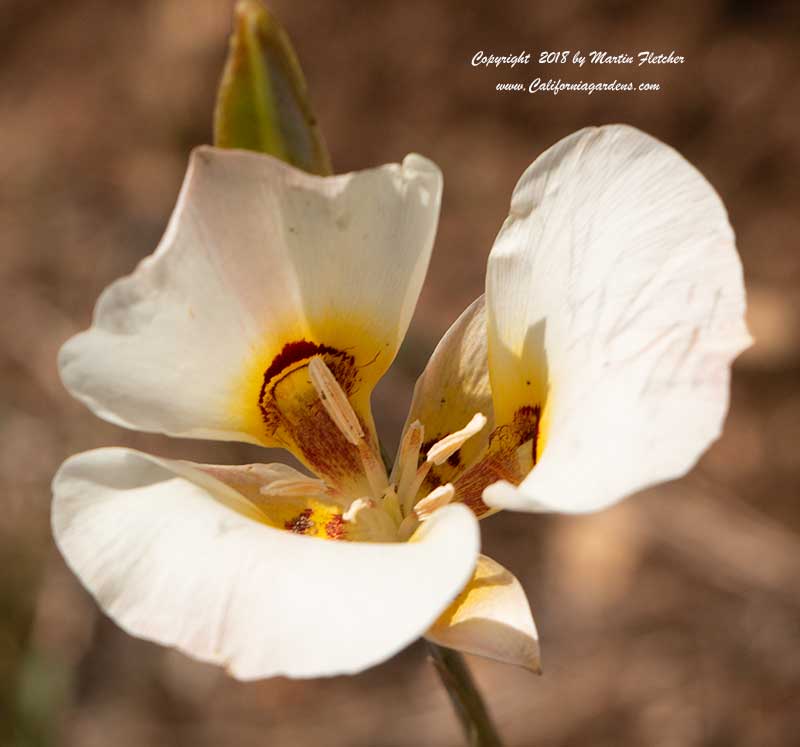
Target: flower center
307	396
388	509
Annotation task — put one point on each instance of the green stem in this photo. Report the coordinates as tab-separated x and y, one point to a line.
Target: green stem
468	704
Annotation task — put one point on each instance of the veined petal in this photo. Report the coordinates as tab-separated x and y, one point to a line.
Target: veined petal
491	617
262	267
452	388
615	303
175	556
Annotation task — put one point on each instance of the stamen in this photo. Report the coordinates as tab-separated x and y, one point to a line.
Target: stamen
411	477
442	450
334	400
341	412
411	488
298	491
437	498
308	488
407	456
356	507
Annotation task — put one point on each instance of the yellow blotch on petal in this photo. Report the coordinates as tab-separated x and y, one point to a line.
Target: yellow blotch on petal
308	517
521	382
364	359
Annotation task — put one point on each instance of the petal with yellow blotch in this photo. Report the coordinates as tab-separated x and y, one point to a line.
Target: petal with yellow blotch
178	557
262	266
615	308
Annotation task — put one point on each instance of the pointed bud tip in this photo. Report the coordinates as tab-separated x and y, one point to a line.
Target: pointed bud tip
262	101
251	10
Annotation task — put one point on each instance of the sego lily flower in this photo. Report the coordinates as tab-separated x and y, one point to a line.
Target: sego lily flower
597	364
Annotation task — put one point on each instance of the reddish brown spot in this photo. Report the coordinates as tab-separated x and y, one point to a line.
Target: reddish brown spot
500	462
526	426
301	524
442	473
454	460
341	364
335	527
523	427
300	421
423	450
291	353
493	467
526	423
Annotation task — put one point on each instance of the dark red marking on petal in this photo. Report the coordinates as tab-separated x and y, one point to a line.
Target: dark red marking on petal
301	524
297	418
424	448
523	427
342	366
290	353
535	437
501	461
526	426
293	352
526	423
454	460
493	467
335	527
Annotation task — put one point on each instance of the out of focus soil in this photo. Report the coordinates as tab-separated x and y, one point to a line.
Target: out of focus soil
672	620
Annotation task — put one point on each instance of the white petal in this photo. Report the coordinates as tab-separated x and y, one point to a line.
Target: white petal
491	618
257	255
615	283
177	557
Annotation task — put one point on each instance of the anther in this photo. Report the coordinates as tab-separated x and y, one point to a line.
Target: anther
442	450
405	465
356	507
411	476
437	498
412	486
334	400
341	412
303	487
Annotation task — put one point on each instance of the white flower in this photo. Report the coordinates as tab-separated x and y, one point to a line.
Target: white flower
598	364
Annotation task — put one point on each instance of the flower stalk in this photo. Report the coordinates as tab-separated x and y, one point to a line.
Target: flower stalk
479	731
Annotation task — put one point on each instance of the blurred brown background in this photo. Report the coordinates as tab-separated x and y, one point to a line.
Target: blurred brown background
671	620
